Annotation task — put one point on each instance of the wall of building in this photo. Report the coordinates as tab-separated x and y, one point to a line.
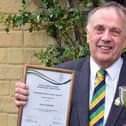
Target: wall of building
16	49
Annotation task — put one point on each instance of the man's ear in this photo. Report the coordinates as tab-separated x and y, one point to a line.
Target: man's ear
125	42
86	28
87	33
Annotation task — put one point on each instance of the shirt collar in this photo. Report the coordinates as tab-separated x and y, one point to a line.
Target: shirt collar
111	71
94	67
114	68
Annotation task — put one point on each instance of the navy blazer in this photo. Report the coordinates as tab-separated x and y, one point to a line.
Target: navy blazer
80	100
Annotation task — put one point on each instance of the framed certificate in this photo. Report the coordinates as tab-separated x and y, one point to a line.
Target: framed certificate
50	93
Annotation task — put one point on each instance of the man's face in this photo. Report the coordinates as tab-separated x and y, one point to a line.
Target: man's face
106	36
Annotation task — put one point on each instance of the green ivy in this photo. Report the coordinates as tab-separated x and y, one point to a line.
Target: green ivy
54	54
65	24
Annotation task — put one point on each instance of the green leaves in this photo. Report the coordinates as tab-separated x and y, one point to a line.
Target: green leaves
66	25
54	54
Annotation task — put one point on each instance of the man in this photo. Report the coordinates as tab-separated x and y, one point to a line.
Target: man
106	36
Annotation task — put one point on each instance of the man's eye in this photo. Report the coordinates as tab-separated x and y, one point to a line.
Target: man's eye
115	32
99	30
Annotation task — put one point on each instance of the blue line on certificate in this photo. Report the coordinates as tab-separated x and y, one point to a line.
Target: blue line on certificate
45	77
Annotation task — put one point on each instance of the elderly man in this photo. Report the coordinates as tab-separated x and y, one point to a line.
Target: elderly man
93	98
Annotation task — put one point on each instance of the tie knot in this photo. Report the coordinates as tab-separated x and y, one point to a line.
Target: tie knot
101	73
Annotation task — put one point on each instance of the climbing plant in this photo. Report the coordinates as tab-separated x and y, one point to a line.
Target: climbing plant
64	22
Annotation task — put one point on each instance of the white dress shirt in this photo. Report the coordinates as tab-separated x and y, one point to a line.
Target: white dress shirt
111	80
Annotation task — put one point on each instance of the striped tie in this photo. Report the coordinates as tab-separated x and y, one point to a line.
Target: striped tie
96	108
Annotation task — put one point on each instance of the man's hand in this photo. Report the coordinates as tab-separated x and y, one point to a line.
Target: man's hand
21	94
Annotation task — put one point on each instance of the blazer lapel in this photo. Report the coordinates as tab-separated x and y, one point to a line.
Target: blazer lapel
83	95
115	110
114	113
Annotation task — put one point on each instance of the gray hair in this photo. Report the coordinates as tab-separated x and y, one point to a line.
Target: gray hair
118	7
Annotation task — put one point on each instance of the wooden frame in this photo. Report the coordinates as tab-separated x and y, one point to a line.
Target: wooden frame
50	94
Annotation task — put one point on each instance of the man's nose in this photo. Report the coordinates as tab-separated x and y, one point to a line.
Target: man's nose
106	36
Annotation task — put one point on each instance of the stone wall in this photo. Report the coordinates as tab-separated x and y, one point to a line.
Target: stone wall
16	49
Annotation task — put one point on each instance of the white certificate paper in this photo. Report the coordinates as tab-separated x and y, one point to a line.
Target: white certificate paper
49	98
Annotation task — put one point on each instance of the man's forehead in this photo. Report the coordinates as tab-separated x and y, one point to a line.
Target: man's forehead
107	18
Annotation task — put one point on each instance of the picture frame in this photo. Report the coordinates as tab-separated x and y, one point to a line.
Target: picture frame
50	95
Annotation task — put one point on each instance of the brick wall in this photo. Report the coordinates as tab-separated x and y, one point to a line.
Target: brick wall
16	48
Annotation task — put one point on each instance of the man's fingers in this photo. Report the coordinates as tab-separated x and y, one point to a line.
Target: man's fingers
21	97
21	88
21	91
21	94
20	103
21	85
